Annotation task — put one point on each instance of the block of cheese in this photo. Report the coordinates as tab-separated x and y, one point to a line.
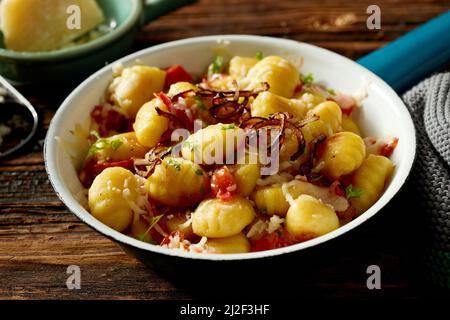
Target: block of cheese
43	25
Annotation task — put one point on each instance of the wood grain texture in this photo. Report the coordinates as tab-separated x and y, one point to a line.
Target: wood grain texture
39	238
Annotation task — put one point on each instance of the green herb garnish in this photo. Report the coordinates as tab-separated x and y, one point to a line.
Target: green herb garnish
115	144
153	223
331	91
307	79
101	144
198	172
217	66
315	178
189	145
98	145
351	192
175	164
259	55
230	126
199	102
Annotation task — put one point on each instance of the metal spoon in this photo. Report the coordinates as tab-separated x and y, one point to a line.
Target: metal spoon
18	120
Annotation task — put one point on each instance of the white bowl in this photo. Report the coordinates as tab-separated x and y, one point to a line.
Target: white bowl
383	113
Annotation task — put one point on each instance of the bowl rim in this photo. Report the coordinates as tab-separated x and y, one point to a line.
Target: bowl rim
66	197
78	50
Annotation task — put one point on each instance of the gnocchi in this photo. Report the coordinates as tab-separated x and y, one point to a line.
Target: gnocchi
120	147
281	75
309	217
235	244
240	66
212	144
149	126
111	197
178	182
371	179
271	200
193	171
135	86
267	103
218	219
342	154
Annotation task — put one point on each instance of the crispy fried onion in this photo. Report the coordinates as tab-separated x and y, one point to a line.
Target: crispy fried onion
230	106
307	166
145	167
178	115
279	121
227	106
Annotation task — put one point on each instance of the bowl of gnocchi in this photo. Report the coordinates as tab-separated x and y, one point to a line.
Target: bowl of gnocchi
226	148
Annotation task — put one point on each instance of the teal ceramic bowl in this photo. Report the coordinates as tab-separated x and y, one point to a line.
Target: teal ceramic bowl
124	17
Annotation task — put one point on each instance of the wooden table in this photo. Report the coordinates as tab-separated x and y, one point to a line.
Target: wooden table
40	238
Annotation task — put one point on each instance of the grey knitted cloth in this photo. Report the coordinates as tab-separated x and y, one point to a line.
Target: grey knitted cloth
429	105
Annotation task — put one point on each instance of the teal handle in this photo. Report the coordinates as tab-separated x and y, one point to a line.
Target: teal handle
156	8
412	57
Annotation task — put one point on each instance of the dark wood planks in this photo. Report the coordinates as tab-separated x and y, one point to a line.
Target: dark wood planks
39	238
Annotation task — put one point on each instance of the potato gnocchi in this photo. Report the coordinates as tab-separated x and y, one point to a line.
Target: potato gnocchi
184	164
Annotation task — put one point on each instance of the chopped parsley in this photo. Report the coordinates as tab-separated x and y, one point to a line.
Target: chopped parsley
198	172
153	223
199	102
175	164
351	192
307	79
115	144
101	144
230	126
217	66
189	145
331	91
259	55
315	178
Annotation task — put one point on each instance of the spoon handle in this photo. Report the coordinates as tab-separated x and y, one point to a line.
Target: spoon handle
157	8
410	58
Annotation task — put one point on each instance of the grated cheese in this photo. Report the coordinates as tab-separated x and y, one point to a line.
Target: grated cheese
274	224
274	179
257	229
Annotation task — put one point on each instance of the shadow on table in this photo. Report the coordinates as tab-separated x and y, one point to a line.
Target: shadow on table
393	240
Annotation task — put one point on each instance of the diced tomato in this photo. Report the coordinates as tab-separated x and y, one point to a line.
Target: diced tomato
99	167
92	168
387	149
277	239
298	88
109	120
223	184
176	73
